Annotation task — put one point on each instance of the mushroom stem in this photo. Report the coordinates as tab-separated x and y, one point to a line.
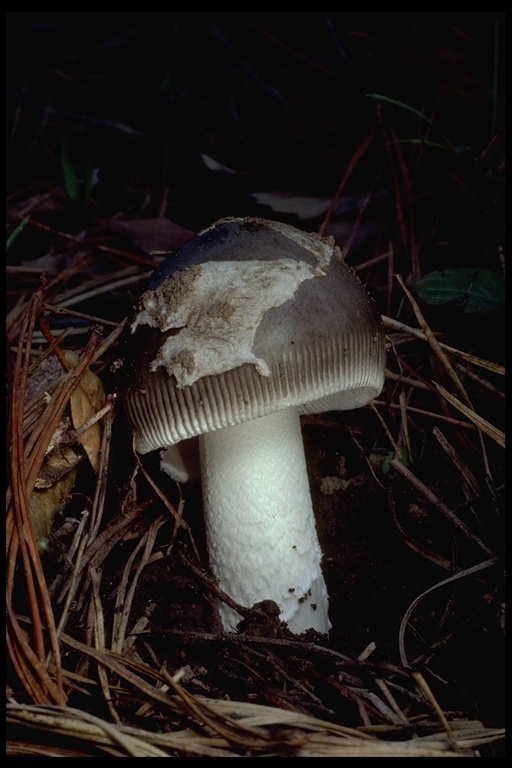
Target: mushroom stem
260	524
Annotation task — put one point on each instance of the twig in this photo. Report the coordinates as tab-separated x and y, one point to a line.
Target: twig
427	692
440	506
456	577
481	424
80	315
428	414
468	478
99	638
125	594
396	325
442	562
354	160
441	355
30	665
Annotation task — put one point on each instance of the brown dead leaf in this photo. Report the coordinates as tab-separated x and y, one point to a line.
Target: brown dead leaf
85	401
58	474
53	486
61	460
150	235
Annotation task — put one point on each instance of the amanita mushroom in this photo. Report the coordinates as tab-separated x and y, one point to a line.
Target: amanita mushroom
247	327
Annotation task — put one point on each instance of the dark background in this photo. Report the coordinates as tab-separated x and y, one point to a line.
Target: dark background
279	98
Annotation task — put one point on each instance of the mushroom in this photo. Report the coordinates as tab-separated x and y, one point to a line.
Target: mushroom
243	330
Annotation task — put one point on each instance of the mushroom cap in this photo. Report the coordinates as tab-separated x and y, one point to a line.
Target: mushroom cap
250	317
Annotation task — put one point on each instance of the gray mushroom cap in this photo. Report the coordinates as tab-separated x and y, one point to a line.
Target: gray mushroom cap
250	317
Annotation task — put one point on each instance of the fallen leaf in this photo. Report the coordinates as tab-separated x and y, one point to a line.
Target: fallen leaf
87	399
52	489
150	235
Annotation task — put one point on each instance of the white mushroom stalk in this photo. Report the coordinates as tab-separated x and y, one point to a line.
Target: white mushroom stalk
260	524
246	328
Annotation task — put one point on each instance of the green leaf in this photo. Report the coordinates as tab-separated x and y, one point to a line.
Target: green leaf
386	466
413	111
473	290
16	232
